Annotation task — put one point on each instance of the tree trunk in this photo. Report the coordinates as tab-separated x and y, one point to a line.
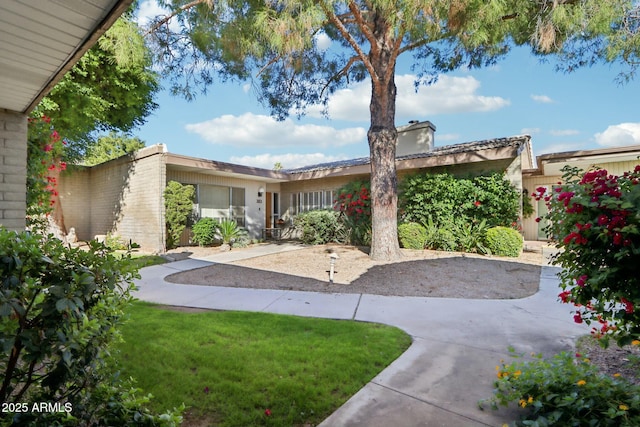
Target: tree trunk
382	136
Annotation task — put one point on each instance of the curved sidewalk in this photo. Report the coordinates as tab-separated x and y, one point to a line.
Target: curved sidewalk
456	342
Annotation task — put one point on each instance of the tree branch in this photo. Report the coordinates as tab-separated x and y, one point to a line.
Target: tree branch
349	38
176	12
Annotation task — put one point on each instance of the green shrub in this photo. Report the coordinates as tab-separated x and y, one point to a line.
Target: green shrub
447	199
504	241
204	231
565	391
115	242
440	237
60	309
320	227
412	235
178	201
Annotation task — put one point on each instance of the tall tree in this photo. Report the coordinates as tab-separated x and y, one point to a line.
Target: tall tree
111	146
274	44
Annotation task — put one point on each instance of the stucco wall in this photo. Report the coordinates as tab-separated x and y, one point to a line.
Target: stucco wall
13	169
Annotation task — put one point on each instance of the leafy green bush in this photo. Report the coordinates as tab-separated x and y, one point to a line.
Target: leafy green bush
504	241
178	201
447	199
440	236
320	227
412	235
205	231
60	309
115	242
566	391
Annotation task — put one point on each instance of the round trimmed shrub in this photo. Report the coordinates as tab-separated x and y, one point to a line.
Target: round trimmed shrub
205	231
504	241
412	235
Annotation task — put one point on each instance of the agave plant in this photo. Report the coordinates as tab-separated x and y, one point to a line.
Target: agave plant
229	232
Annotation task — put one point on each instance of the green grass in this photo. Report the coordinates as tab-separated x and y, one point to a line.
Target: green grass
229	367
147	260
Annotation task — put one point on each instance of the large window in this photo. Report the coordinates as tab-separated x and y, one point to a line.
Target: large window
221	203
313	200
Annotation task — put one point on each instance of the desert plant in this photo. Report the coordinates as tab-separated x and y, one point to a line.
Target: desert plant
205	231
412	235
471	237
178	201
504	241
440	236
229	232
320	226
565	390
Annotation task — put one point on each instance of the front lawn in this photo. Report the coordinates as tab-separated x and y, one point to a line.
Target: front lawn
252	369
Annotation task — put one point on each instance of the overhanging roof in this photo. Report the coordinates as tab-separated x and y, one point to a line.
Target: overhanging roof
551	164
41	40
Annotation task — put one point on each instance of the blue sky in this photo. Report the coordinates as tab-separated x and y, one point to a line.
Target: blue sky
562	112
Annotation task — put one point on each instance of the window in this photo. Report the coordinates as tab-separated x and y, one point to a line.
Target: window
312	200
215	201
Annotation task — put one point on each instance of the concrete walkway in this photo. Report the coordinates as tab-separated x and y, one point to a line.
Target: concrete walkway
456	342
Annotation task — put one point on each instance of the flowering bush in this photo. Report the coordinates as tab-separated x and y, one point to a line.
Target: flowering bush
566	390
354	202
595	218
45	149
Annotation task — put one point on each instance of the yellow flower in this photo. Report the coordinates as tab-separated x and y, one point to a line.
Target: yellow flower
617	375
635	342
581	382
517	373
623	407
523	403
530	400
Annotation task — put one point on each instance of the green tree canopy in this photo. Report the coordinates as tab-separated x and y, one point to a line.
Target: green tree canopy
111	88
273	44
110	147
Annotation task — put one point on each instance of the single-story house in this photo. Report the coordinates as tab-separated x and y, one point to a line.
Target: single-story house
124	196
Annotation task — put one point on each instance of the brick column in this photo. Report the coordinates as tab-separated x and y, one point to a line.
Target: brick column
13	169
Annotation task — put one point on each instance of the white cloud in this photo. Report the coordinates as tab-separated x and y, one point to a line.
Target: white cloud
447	95
621	134
530	131
252	130
543	99
564	132
322	40
288	161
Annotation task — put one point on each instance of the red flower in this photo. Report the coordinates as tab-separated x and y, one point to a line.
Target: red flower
52	167
628	305
577	318
206	390
267	412
582	280
48	148
63	166
564	296
603	219
46	119
538	219
617	238
477	203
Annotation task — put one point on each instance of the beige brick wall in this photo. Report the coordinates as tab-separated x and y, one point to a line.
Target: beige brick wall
122	197
13	169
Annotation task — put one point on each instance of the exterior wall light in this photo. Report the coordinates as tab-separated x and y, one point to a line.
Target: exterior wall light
260	191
